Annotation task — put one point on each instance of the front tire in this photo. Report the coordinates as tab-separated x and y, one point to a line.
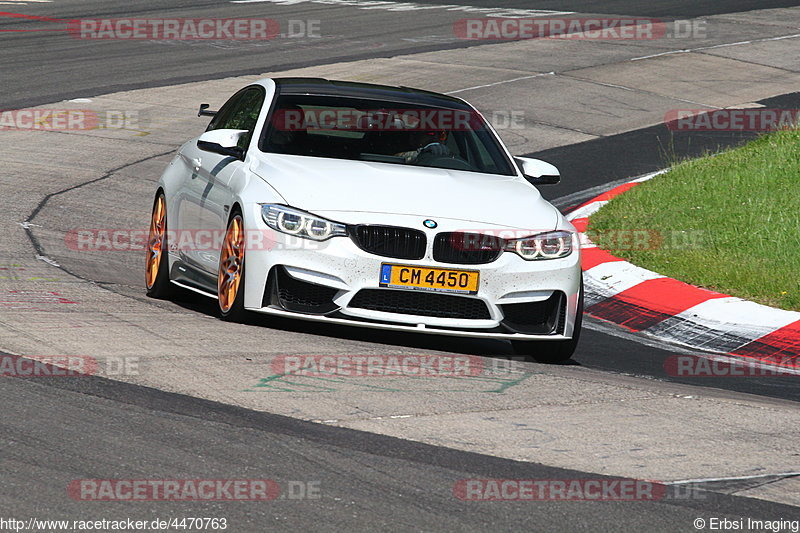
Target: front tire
156	275
230	276
553	351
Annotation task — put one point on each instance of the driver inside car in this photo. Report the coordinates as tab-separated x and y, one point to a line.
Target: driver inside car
426	142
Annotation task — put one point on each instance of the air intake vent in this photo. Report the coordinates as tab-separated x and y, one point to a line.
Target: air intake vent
421	303
537	318
296	295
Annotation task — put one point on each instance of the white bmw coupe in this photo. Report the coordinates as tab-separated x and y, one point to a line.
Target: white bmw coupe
367	205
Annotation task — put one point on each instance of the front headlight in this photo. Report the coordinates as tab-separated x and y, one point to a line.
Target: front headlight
300	224
552	245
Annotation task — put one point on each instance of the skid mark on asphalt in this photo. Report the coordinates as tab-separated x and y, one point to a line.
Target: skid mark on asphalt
32	300
17	272
481	384
28	225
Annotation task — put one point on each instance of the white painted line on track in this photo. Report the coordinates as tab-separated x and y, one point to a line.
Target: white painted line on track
700	49
683	51
736	478
412	6
502	82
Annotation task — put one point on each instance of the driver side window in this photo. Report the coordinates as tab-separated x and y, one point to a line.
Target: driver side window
240	113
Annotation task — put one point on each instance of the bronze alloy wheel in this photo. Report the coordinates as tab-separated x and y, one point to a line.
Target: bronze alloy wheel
231	264
155	242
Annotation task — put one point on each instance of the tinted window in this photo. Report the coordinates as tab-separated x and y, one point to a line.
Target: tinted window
240	113
383	131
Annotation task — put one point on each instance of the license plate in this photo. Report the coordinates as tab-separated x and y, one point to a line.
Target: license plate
429	279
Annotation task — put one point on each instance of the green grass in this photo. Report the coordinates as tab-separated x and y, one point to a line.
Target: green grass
729	222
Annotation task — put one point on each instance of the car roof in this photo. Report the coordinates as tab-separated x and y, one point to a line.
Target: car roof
352	89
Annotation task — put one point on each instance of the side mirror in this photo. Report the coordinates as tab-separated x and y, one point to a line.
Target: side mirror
538	172
203	111
223	142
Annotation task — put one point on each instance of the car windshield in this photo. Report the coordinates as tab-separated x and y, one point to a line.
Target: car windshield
384	131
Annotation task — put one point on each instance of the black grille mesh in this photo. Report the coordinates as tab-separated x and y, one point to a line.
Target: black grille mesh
466	248
421	303
296	292
296	295
390	241
540	318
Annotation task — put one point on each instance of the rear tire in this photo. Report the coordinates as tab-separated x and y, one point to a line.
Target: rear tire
156	276
230	274
553	351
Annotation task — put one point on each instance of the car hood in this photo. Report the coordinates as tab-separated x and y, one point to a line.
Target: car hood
339	185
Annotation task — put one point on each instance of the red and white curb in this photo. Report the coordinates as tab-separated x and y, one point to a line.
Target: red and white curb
647	302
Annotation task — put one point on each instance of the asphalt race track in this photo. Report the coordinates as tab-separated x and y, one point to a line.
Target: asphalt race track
369	481
40	65
56	430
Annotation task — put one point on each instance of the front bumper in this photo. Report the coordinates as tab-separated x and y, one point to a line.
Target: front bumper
336	281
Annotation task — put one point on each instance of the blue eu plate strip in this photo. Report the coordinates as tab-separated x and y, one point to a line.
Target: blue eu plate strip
386	273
